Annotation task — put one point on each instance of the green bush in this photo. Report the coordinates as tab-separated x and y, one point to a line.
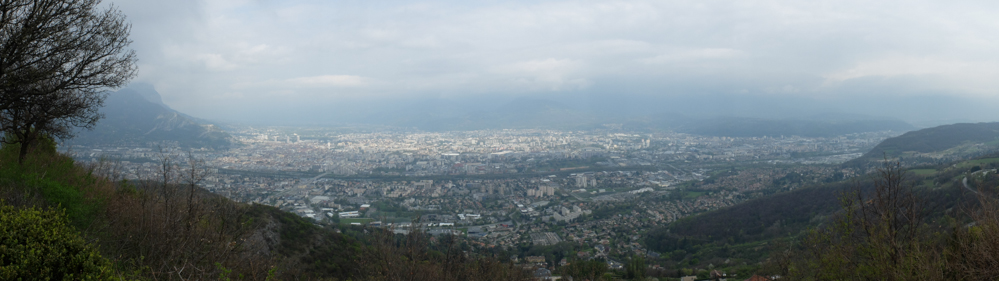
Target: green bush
40	245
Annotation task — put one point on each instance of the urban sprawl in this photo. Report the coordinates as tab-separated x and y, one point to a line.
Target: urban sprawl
500	188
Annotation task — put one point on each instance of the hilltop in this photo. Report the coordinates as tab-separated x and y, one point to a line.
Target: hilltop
936	145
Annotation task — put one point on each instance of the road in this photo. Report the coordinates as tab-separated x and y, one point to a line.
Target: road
965	183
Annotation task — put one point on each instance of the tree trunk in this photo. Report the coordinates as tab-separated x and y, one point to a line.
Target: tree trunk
25	143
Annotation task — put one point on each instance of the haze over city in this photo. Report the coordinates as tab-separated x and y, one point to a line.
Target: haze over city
344	62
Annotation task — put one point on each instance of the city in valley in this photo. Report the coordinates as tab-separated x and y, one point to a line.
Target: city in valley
501	188
499	140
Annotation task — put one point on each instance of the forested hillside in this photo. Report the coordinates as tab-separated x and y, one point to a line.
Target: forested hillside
936	145
753	231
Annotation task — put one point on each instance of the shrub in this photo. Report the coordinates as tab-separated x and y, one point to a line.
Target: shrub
40	245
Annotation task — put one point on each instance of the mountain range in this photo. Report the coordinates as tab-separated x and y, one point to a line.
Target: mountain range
137	116
528	113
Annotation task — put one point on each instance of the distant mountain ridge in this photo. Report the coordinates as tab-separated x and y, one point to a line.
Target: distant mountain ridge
136	116
760	127
530	113
527	113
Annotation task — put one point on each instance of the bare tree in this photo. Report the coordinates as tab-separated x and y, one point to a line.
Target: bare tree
891	215
193	176
58	59
877	236
973	251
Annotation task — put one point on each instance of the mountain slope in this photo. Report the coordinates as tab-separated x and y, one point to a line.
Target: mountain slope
933	145
791	212
747	231
947	155
136	115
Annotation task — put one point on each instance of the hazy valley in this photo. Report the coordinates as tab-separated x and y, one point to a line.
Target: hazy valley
551	194
498	140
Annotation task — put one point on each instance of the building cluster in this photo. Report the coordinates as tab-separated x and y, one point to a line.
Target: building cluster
545	238
510	152
542	191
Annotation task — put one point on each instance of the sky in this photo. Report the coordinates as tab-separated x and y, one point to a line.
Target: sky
294	60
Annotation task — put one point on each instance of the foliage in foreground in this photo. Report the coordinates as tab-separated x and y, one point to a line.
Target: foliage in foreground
883	234
39	244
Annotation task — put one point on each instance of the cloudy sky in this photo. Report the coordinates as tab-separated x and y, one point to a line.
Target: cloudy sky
245	59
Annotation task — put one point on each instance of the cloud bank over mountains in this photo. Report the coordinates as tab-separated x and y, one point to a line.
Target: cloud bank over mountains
263	59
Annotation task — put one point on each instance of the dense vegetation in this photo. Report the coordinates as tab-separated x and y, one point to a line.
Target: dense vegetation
742	238
892	233
171	229
790	233
37	244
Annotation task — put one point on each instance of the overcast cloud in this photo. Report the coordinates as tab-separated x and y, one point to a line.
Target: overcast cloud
234	59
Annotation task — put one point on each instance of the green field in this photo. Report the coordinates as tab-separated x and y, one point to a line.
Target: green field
693	194
359	220
583	195
923	172
983	161
927	183
394	215
977	162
